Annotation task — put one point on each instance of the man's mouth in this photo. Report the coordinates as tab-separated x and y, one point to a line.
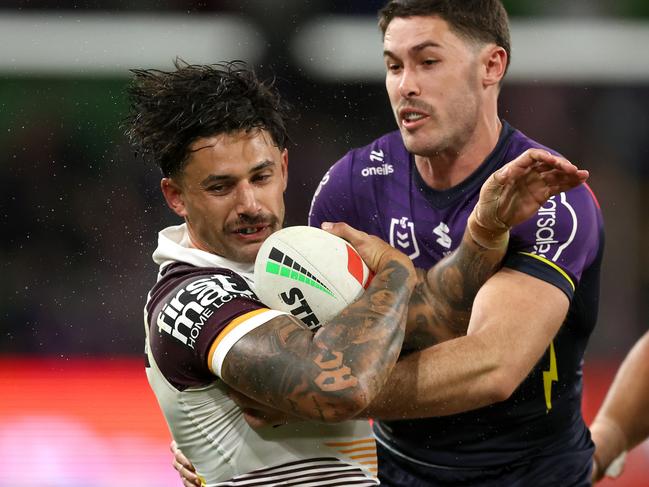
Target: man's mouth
250	230
411	118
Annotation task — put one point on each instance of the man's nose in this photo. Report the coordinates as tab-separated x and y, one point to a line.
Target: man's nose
408	85
247	202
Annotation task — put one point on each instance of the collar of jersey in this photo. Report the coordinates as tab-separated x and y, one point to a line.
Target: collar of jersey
173	246
451	196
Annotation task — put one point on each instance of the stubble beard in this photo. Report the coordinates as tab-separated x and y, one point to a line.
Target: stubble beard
445	139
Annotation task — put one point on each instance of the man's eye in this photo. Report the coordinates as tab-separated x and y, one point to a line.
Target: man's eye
430	62
262	177
393	67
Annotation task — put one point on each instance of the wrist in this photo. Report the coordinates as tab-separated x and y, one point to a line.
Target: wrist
610	441
490	239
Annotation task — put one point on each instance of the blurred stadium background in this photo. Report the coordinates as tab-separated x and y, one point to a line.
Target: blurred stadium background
80	213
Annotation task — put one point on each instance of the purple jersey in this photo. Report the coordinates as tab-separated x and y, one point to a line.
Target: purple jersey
378	189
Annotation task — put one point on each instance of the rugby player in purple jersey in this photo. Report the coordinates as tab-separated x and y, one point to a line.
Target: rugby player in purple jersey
501	405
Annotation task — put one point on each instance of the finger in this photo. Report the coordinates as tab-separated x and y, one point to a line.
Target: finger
182	461
564	181
181	467
345	232
534	156
189	476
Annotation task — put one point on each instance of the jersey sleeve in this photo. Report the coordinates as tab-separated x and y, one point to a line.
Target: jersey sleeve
197	321
333	200
560	241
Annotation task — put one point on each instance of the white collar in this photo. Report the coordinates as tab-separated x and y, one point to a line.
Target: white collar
174	246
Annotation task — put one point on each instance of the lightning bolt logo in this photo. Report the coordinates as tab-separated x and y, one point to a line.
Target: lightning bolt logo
549	376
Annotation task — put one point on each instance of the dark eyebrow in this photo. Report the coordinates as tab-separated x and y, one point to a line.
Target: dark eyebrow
218	178
416	48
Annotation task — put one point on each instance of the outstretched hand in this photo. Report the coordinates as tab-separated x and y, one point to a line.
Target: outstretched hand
516	191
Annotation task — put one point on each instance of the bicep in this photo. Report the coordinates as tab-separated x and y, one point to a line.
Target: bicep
517	315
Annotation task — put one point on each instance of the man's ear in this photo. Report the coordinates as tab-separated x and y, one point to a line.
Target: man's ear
494	61
285	167
173	194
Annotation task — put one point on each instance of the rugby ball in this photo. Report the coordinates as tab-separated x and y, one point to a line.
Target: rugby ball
309	273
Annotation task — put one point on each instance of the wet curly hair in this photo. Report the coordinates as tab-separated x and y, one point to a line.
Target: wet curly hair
169	110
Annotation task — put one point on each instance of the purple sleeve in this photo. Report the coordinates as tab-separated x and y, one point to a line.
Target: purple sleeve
560	241
332	200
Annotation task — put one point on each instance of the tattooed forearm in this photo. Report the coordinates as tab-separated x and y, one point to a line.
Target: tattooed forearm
335	373
441	302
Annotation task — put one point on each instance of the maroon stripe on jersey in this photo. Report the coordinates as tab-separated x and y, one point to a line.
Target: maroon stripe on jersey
304	473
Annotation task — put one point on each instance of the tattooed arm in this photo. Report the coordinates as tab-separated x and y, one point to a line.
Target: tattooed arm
335	373
441	303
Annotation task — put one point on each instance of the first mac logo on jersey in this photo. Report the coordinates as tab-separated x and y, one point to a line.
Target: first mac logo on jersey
184	316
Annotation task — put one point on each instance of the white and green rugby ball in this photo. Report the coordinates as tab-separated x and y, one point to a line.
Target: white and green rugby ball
309	273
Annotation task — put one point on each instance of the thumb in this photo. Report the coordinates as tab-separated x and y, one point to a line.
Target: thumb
345	232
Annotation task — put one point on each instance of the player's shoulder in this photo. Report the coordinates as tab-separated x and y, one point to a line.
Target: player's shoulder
187	309
378	154
520	142
208	288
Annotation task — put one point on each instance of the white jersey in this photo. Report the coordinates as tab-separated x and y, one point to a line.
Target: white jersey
200	306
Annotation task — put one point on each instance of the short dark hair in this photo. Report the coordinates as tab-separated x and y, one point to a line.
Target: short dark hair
478	20
169	110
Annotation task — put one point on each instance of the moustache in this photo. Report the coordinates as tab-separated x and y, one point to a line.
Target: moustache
262	219
416	105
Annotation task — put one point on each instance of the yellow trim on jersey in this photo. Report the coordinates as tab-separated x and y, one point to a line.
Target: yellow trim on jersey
228	328
553	265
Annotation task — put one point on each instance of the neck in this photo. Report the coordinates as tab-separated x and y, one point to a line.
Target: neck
453	165
194	242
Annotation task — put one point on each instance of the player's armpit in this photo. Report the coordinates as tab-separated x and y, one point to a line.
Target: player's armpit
333	374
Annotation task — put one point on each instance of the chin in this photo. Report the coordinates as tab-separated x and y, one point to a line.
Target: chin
249	254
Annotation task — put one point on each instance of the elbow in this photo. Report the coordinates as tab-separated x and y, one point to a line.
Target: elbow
501	385
343	407
338	406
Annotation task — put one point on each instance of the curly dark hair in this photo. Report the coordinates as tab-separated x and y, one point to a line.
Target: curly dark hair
169	110
478	20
